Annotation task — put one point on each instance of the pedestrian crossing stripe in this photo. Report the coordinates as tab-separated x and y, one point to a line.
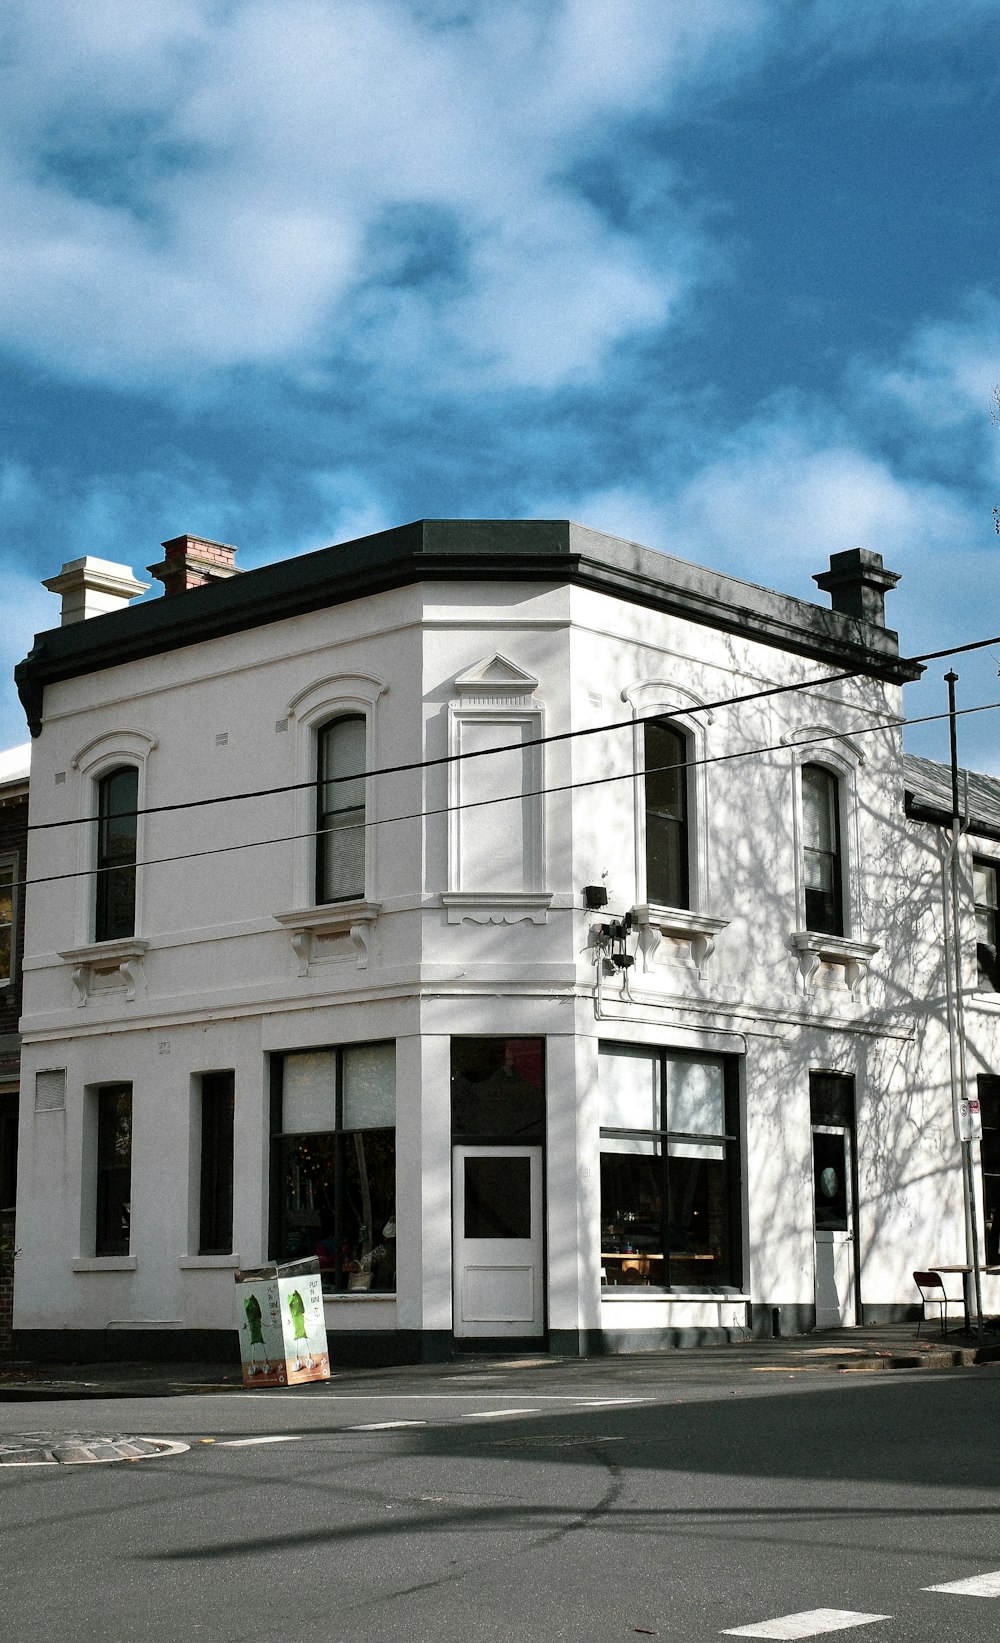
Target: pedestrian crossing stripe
808	1623
974	1586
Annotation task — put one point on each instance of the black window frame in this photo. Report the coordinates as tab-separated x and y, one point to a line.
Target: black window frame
111	1235
988	1089
328	820
9	1103
337	1280
671	888
730	1139
216	1118
987	912
9	864
116	855
824	909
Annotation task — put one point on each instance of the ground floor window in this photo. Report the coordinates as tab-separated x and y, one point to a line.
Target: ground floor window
670	1215
334	1163
215	1203
114	1170
8	1150
989	1103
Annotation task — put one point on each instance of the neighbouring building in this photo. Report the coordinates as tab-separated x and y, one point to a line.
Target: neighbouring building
14	767
546	933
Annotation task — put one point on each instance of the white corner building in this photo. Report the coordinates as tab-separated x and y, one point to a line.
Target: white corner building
546	933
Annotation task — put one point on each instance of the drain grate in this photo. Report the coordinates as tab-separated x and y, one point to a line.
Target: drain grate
81	1449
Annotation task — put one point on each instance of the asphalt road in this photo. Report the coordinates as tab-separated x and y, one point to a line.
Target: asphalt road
527	1504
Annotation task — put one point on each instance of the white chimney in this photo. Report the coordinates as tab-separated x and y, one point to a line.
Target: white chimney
91	587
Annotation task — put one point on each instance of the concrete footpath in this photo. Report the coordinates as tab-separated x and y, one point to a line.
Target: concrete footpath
831	1351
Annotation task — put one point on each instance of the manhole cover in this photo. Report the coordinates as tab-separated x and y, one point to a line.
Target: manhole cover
82	1449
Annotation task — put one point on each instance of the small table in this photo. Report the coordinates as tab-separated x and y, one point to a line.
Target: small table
966	1270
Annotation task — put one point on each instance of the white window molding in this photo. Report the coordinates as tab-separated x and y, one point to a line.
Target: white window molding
674	936
322	936
836	952
496	851
107	967
670	936
849	954
336	696
95	760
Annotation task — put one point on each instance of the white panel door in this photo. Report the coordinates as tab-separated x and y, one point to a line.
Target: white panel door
834	1229
497	1241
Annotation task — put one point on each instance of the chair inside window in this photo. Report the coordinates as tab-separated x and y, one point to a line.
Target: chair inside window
933	1293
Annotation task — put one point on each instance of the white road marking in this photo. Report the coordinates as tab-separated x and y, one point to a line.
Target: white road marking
248	1443
383	1426
492	1414
411	1397
975	1586
607	1403
808	1623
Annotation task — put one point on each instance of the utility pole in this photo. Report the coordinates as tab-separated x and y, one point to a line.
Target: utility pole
966	1112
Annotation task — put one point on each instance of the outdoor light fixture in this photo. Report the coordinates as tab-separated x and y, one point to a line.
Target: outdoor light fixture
595	895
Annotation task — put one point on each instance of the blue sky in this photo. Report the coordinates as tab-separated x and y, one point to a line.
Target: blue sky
720	275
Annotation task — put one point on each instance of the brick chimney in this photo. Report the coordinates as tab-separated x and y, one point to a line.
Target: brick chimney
191	561
857	583
91	587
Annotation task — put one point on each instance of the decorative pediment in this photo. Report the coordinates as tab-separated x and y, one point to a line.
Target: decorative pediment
495	676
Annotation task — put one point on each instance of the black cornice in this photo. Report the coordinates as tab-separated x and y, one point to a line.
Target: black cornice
446	550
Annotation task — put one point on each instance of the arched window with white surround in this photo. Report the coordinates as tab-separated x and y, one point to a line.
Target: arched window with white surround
117	838
340	809
665	800
822	860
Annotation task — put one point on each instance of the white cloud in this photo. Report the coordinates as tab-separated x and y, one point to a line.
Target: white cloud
949	368
194	189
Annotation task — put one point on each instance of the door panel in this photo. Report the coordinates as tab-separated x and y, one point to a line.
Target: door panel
833	1229
497	1241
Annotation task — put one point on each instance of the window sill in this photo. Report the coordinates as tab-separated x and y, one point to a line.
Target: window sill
502	907
107	966
104	1263
815	949
356	1295
207	1263
681	928
341	930
637	1292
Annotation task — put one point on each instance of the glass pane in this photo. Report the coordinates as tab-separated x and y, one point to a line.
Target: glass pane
699	1220
307	1199
342	846
309	1093
218	1106
629	1088
665	783
631	1217
831	1099
114	1170
370	1086
498	1088
818	815
5	953
696	1096
6	894
984	879
830	1182
644	1146
342	756
368	1211
118	796
498	1198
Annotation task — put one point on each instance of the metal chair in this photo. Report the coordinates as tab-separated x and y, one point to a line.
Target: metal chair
933	1293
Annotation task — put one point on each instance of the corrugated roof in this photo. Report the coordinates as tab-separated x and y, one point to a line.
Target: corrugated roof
15	764
928	785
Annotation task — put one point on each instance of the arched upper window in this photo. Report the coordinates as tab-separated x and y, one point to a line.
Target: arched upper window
117	833
821	850
666	806
340	809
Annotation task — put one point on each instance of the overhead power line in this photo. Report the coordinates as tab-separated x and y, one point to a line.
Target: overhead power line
512	747
509	798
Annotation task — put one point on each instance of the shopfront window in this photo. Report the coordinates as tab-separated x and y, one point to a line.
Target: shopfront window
498	1089
334	1164
669	1169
